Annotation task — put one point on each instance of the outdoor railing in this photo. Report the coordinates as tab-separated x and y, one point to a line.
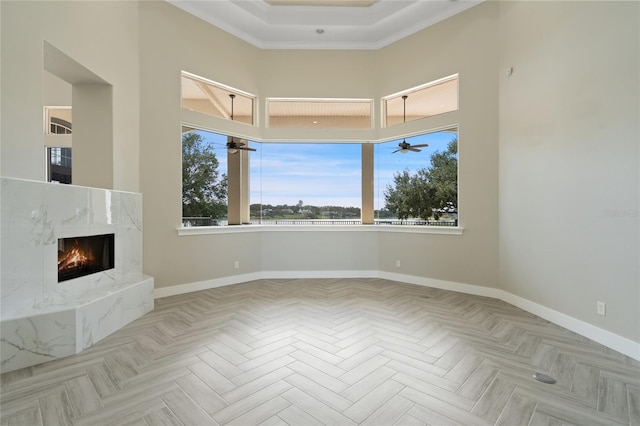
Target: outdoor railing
200	221
207	221
306	222
413	222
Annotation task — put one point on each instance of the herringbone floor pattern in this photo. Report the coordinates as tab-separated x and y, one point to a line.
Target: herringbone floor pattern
330	352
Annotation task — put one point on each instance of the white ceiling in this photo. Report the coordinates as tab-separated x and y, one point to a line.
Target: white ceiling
346	24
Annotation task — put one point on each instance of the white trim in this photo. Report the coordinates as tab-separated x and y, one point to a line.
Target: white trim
267	26
319	274
611	340
445	285
205	285
264	275
420	87
235	229
218	84
597	334
441	230
206	230
321	100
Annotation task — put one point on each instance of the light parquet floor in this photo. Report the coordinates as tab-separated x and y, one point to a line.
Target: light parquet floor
330	352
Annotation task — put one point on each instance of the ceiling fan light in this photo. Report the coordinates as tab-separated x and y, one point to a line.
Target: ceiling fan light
232	150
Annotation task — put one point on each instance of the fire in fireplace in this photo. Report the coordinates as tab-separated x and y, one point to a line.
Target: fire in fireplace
80	256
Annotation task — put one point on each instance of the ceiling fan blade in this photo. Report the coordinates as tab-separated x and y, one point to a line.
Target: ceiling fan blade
246	148
414	149
395	151
422	145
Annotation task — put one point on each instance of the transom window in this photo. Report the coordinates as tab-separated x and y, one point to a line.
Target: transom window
320	113
437	97
211	98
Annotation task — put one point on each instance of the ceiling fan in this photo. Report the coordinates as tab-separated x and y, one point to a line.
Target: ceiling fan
232	145
404	146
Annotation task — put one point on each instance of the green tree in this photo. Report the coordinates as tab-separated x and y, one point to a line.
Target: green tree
421	194
204	189
443	176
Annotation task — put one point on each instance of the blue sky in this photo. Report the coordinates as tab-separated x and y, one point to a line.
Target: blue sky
325	174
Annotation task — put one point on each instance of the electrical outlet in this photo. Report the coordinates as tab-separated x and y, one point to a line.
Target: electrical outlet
601	308
397	263
236	264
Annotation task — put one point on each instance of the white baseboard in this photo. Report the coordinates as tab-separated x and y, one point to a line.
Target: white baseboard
611	340
445	285
263	275
205	285
318	274
597	334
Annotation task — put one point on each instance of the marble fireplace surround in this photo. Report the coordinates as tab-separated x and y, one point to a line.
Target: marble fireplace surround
42	319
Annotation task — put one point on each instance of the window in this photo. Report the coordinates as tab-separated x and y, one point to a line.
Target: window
59	165
320	113
416	184
204	178
290	183
57	120
305	183
436	97
211	98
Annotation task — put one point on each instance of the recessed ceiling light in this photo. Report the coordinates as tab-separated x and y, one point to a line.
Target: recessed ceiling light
320	31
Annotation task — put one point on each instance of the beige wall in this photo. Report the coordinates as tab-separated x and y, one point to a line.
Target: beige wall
57	92
172	41
466	44
569	158
103	37
319	251
322	74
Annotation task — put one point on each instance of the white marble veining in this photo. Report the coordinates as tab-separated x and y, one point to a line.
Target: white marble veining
34	215
101	317
137	300
37	339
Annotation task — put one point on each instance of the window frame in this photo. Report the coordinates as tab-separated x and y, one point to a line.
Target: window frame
430	131
206	125
413	91
240	94
221	173
269	101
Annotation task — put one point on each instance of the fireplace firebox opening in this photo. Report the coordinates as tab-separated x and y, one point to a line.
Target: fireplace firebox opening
80	256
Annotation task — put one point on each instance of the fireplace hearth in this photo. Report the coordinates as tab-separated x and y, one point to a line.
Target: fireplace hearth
80	256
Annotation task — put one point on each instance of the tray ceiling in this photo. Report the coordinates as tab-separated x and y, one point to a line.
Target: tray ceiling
323	24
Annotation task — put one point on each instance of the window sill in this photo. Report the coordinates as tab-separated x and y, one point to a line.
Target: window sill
238	229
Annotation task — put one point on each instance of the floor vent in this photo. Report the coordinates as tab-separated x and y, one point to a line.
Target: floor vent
544	378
